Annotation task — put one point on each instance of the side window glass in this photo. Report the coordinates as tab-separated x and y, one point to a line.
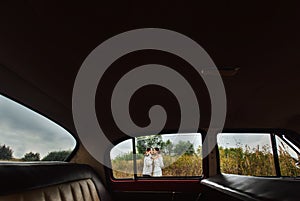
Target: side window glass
166	155
288	158
28	136
246	154
122	160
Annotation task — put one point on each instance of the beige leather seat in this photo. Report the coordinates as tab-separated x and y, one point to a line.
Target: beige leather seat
50	182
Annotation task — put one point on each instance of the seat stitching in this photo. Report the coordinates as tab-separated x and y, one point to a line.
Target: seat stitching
90	190
81	190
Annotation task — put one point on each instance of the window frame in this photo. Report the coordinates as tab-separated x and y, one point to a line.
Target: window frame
136	178
281	137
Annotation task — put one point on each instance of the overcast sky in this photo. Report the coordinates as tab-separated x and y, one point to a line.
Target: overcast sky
24	131
233	140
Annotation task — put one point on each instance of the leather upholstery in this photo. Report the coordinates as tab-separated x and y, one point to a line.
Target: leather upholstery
255	188
77	190
50	181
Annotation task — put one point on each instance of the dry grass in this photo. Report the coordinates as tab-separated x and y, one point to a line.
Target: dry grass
174	166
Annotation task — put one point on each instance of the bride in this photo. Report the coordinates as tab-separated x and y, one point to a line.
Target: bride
157	163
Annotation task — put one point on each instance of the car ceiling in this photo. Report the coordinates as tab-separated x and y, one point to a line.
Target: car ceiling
43	45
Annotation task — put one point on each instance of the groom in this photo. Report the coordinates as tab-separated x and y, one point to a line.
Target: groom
147	169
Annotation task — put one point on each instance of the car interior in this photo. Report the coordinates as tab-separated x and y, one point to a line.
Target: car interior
254	156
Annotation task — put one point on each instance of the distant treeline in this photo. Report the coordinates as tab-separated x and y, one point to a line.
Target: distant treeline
6	154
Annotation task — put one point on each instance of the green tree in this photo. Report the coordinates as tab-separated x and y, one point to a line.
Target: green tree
57	156
169	147
184	147
31	157
144	142
5	152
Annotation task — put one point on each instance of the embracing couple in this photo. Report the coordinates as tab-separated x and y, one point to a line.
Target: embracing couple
153	163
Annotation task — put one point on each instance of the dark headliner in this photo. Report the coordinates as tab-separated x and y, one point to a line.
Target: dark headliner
42	46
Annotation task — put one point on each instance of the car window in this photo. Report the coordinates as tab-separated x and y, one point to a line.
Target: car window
122	160
28	136
246	154
163	155
288	157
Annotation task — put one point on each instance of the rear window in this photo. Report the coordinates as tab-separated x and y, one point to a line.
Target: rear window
28	136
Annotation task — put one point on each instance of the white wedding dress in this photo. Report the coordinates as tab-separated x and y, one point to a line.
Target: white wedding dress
157	166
